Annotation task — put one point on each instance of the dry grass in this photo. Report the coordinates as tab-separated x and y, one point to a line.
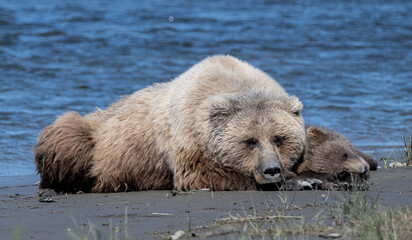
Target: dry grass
358	217
355	216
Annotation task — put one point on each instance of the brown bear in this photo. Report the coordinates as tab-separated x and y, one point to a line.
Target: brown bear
332	158
222	124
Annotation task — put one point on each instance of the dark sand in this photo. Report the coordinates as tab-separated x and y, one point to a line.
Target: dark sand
156	214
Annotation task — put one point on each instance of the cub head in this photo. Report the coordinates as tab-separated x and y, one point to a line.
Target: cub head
330	153
256	133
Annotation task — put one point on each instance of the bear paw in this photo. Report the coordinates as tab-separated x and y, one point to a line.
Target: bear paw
46	193
301	184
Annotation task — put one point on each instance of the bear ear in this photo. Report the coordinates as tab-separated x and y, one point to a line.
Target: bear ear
295	105
316	135
220	107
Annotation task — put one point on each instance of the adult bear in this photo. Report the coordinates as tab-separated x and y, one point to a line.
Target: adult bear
222	124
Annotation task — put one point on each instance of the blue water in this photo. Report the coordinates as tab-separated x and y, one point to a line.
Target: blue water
350	62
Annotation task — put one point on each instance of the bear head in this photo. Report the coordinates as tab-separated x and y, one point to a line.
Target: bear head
258	134
328	152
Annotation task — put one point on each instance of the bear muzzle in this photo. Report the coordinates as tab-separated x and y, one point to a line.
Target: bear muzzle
272	172
356	168
364	172
361	168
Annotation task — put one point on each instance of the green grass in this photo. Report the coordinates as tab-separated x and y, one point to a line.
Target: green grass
407	144
17	232
401	153
358	217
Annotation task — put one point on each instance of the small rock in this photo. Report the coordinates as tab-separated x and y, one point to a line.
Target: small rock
218	232
177	235
162	214
46	199
331	235
396	164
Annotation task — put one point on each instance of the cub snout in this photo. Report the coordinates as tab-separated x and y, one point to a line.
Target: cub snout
364	171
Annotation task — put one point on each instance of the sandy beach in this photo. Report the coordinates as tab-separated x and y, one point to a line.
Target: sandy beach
159	214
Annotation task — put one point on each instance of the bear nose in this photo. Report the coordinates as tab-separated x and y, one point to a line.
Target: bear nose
363	169
272	171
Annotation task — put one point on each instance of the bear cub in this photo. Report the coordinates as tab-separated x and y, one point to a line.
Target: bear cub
332	158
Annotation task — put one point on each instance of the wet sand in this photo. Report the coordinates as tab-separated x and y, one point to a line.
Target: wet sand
157	214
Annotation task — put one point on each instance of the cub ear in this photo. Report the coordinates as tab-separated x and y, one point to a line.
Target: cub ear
316	134
220	107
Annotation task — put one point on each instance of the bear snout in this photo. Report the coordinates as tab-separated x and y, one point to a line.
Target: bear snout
272	172
363	169
364	172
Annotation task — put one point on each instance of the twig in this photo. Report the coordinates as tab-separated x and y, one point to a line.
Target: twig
244	219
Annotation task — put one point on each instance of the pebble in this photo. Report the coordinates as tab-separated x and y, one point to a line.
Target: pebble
179	234
332	235
162	214
397	164
46	199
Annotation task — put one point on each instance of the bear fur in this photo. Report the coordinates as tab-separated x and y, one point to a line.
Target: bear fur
222	124
331	157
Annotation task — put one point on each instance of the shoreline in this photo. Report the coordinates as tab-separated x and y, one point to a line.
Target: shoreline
157	214
16	181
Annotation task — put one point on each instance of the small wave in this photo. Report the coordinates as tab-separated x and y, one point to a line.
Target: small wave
82	87
6	18
334	107
74	40
12	66
4	22
52	33
85	19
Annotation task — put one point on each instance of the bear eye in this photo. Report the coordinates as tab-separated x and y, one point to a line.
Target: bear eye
251	143
345	156
297	113
278	140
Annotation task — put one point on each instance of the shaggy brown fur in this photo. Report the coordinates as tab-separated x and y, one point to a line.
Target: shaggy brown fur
223	124
64	154
329	156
